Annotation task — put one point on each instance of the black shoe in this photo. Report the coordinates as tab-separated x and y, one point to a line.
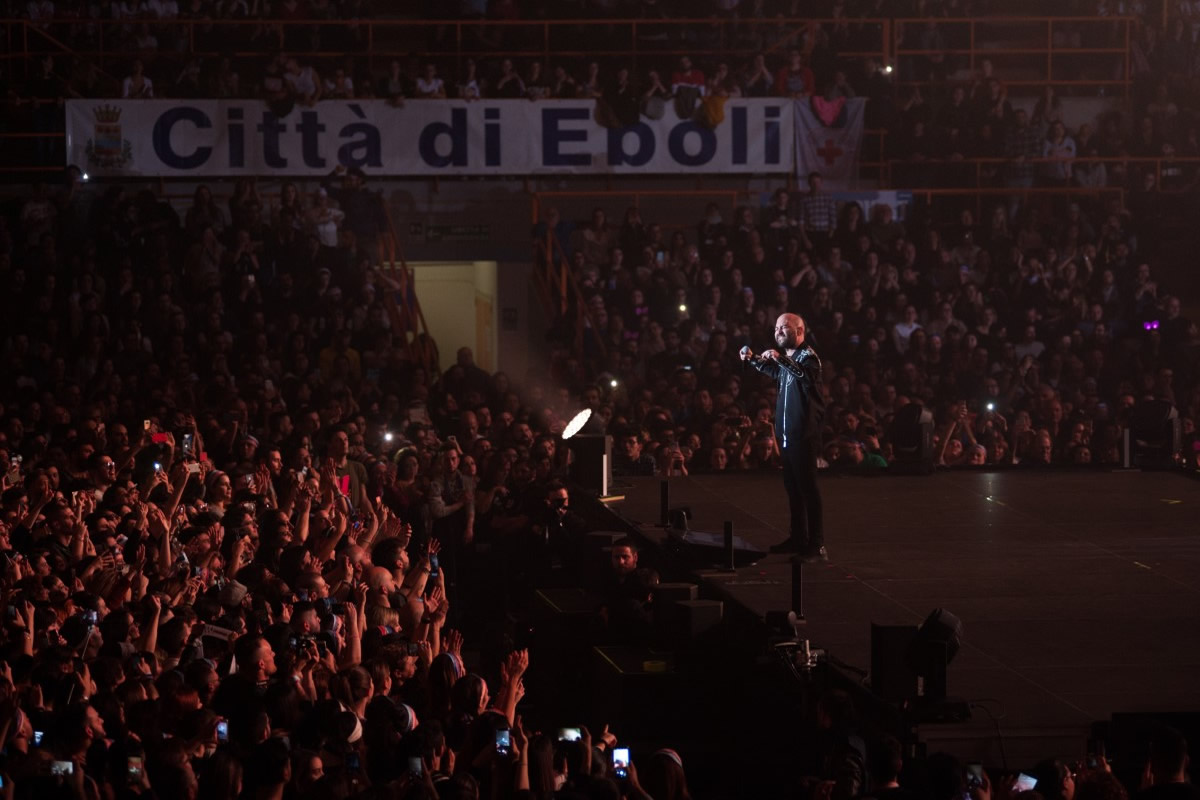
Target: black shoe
816	556
786	546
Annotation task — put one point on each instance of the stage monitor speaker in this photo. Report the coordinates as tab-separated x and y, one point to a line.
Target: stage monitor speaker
912	439
592	467
892	678
707	549
932	650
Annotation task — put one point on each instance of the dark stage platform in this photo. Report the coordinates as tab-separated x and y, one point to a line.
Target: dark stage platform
1079	592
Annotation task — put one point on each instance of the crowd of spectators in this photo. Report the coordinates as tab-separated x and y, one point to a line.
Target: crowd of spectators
251	545
1030	337
241	49
939	117
255	544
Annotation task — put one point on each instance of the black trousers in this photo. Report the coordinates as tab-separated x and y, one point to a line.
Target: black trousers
804	499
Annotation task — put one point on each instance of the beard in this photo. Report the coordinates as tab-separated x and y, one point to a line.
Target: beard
785	341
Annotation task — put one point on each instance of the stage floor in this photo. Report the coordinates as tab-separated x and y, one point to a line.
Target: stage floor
1079	592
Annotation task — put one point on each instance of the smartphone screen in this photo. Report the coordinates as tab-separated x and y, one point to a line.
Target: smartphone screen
415	765
62	768
503	742
621	761
569	734
135	768
222	731
974	775
37	738
1025	783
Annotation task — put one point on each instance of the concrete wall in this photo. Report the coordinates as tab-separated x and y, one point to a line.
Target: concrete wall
458	300
487	306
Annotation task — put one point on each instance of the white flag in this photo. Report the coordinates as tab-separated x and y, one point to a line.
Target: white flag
830	150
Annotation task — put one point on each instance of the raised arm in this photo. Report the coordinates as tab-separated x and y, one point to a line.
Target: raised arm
765	363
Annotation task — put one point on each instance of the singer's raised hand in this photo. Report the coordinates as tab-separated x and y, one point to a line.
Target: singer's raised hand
746	354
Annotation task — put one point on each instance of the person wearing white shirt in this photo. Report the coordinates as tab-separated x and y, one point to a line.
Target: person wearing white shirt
902	331
325	220
162	9
1061	147
1029	345
429	85
303	81
136	85
340	86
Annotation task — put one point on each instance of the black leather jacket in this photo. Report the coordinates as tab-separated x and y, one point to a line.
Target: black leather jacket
800	408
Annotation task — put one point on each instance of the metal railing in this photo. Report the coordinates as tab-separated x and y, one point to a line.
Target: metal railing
729	199
558	288
977	198
405	314
1057	48
983	173
400	296
441	40
1030	52
1072	53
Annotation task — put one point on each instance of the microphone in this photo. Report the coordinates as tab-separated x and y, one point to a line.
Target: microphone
749	355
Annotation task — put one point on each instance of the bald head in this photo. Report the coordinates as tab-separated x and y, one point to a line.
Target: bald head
380	580
789	331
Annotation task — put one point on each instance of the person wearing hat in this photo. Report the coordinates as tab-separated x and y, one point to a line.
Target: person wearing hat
247	446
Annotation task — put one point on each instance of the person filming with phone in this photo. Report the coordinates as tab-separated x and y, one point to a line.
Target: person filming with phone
799	412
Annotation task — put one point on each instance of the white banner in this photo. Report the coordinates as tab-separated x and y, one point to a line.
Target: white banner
831	150
173	138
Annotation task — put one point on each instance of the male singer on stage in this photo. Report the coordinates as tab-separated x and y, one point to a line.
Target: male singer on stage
799	412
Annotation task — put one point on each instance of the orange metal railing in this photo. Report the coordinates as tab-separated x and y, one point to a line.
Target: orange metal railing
978	171
400	300
406	315
1073	53
986	198
380	39
1026	52
558	288
727	198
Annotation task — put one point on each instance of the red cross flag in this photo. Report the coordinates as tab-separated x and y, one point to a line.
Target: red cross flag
830	149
